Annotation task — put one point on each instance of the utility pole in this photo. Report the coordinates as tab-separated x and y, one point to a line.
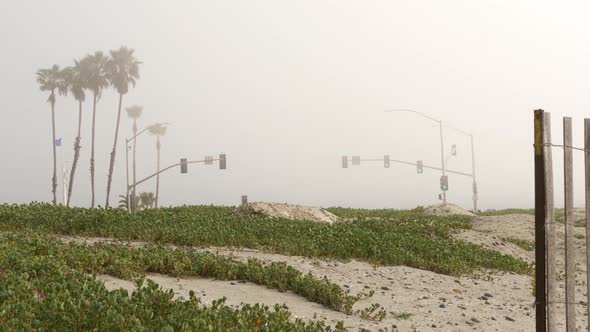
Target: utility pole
442	159
183	168
131	202
64	185
473	173
442	154
127	173
442	144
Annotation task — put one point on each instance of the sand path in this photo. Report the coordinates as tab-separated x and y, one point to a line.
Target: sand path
415	300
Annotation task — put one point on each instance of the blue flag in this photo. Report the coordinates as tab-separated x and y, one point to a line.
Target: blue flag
58	142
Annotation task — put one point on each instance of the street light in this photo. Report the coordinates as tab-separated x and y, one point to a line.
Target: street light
474	184
470	135
442	148
127	141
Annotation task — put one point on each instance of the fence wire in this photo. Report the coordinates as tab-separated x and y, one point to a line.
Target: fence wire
562	146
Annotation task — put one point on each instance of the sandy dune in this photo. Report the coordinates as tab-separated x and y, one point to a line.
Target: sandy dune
488	301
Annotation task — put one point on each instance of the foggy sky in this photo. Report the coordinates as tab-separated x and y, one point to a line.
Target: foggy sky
285	88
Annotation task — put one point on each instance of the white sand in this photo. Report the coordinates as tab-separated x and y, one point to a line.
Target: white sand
522	227
293	212
435	302
447	210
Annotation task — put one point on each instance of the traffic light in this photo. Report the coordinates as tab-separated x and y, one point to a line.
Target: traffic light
419	167
222	161
444	183
344	161
454	150
386	161
183	166
356	160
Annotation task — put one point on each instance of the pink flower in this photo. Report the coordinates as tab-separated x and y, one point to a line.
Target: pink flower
42	295
155	302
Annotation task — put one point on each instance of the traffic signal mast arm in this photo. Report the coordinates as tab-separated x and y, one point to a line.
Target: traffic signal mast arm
172	166
423	165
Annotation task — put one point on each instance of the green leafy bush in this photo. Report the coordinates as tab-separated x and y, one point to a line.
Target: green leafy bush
396	238
131	263
45	286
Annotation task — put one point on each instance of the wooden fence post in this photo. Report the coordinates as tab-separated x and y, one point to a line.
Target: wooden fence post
587	190
549	224
570	248
540	199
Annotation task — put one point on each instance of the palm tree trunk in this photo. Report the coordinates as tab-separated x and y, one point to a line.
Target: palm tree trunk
158	172
134	195
92	149
54	178
112	163
76	153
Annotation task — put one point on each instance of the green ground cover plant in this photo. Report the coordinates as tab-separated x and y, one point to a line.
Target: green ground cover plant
131	263
524	244
45	285
377	213
399	238
505	212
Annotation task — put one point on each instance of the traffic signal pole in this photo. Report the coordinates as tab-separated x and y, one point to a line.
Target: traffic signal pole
473	176
222	165
442	158
442	154
447	171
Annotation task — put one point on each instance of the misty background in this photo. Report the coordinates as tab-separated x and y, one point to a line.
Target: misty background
285	88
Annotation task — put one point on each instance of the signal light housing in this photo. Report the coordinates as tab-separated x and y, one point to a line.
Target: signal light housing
386	161
419	167
444	183
222	161
183	166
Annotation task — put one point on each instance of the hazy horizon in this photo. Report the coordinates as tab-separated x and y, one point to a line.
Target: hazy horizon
286	88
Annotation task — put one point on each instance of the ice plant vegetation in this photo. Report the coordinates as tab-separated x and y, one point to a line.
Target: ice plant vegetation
407	238
73	299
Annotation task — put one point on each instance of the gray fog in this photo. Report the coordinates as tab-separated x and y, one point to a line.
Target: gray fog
285	88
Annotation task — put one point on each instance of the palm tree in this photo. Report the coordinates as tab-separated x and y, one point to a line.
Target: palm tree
77	78
97	81
52	80
123	203
134	112
123	70
146	200
157	130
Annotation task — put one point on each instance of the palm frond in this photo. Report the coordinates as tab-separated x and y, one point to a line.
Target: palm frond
157	129
123	69
134	112
96	72
52	79
48	78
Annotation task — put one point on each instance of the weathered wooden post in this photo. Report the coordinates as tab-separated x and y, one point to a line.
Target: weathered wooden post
540	200
570	248
549	224
587	190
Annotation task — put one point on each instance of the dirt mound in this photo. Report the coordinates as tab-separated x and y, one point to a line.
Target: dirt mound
287	211
447	210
